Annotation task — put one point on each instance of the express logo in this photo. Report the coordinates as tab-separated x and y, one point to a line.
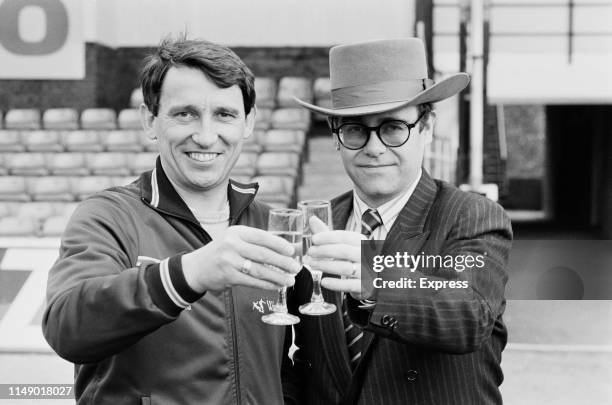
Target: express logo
261	305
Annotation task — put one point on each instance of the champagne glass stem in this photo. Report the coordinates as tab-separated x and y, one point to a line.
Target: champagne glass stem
317	295
281	301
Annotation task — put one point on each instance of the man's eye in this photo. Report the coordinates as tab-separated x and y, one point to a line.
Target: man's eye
184	115
225	115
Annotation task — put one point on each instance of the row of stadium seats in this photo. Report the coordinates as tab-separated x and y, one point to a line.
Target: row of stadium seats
49	218
273	93
129	118
126	164
125	140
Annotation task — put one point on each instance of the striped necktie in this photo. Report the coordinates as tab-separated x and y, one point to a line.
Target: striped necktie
369	222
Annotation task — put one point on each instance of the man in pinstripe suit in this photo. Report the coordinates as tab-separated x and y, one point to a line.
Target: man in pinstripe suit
394	345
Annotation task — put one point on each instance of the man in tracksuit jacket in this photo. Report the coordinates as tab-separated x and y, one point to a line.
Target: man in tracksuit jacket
160	286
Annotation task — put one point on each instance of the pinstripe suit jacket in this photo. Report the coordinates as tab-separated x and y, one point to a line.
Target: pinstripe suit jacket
442	348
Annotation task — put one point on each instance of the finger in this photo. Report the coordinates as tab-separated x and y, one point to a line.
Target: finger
316	225
269	274
265	239
248	281
336	251
348	285
264	255
337	267
340	237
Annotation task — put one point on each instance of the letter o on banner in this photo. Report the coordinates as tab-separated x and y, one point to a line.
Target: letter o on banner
57	27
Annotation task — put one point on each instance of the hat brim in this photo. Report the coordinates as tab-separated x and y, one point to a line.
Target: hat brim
446	88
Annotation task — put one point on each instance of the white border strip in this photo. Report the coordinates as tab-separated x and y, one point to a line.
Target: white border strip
542	347
170	290
154	189
243	190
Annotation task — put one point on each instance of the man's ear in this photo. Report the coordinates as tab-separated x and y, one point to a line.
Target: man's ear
428	127
146	119
250	122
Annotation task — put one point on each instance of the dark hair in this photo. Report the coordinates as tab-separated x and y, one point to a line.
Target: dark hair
219	63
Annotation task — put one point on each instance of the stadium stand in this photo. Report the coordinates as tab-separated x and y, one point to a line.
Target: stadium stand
98	118
45	172
22	118
322	95
60	118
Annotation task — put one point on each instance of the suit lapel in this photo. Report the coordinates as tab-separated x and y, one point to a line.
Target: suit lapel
331	327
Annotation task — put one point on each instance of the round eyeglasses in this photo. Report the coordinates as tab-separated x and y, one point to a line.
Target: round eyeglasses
392	133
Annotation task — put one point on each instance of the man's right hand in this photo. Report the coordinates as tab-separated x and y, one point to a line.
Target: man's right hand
219	264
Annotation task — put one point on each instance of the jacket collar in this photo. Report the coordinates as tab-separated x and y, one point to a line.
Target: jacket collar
157	191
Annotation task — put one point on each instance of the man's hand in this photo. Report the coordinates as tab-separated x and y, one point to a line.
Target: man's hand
337	253
225	262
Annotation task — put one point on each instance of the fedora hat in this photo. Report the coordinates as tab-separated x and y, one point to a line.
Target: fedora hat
377	76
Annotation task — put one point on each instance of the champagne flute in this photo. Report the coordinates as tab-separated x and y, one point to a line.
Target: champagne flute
322	210
289	225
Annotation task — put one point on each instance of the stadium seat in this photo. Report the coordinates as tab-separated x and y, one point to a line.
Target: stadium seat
276	190
108	164
278	164
136	98
129	119
122	180
245	165
14	188
50	188
19	226
65	208
42	141
265	88
22	118
141	162
54	226
10	141
26	164
83	187
67	164
8	209
36	210
283	140
3	168
98	118
263	118
322	95
291	118
290	87
61	118
121	140
252	143
81	141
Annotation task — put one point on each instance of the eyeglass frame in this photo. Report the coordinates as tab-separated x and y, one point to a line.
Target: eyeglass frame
376	129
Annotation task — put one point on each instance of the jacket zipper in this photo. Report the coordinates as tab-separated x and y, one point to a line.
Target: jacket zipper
235	346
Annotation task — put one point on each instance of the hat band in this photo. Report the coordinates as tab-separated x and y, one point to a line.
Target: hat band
378	93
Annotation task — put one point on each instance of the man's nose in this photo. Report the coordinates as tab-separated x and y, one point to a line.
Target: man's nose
374	147
205	133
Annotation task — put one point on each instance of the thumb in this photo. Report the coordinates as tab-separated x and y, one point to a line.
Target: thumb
316	225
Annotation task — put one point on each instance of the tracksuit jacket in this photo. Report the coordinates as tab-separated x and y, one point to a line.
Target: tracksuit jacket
118	305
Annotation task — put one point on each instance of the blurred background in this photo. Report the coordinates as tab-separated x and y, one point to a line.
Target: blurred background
533	132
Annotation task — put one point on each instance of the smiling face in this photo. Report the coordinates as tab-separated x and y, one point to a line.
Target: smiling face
381	173
199	128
